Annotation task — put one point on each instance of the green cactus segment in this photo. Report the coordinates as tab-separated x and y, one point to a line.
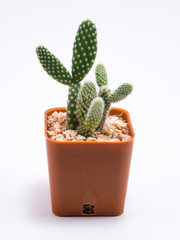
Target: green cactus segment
104	94
53	66
86	95
85	132
93	118
101	76
94	114
84	50
72	121
121	92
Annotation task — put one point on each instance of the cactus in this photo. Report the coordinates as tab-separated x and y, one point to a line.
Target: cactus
120	93
86	111
84	53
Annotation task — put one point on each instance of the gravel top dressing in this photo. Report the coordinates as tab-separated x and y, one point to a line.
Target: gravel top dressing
115	130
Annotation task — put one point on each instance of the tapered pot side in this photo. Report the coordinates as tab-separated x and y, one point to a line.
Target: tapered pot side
88	178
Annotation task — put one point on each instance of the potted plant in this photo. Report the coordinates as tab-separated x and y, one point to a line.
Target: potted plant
89	145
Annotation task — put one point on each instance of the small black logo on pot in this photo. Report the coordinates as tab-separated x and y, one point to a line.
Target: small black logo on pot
88	209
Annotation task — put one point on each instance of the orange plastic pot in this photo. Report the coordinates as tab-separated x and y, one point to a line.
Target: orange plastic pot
88	178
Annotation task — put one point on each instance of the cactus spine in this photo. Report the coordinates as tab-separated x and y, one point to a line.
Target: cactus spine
120	93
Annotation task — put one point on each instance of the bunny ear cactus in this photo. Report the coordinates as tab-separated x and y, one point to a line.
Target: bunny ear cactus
84	53
120	93
86	111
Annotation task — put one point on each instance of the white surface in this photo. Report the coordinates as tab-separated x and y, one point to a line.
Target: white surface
139	42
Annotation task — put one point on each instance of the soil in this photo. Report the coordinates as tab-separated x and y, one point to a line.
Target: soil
115	130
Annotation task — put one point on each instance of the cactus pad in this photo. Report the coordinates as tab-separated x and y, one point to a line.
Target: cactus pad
53	66
121	92
84	50
94	114
104	93
86	95
101	75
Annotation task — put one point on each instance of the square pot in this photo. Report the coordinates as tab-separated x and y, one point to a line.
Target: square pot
88	178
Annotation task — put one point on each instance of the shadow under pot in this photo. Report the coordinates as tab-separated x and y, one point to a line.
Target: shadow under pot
89	178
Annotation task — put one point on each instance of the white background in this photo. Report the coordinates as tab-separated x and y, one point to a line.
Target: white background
138	42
